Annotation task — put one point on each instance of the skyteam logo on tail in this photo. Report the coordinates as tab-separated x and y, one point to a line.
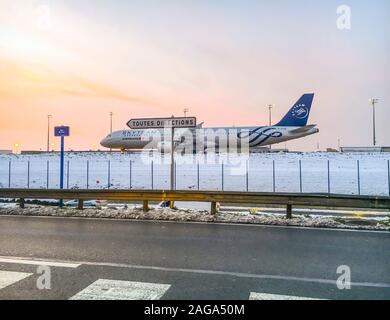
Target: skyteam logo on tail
300	111
298	115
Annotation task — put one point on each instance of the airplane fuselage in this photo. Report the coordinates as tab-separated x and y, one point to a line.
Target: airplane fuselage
254	137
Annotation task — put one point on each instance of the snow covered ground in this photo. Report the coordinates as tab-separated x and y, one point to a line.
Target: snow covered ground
123	171
166	214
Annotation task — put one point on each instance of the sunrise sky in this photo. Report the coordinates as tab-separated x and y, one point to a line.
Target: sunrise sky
78	60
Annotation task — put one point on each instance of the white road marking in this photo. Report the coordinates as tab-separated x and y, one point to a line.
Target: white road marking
8	278
203	271
103	289
39	262
269	296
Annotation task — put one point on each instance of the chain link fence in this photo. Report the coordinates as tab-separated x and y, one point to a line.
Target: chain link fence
257	174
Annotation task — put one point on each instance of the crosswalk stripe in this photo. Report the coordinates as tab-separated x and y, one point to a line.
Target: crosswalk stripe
269	296
104	289
8	278
40	262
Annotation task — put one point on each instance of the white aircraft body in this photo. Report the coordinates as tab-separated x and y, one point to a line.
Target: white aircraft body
292	126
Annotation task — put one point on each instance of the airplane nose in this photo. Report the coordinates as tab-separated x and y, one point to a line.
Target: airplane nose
104	143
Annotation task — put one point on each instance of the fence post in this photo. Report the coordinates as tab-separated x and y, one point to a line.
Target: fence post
109	174
175	180
9	174
47	174
358	173
247	175
388	174
198	175
329	176
273	176
80	204
300	176
152	174
67	174
87	174
130	177
28	174
222	172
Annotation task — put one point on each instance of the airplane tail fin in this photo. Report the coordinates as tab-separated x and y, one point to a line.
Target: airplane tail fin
298	115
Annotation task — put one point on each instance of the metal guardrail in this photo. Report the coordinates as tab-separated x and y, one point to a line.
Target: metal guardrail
287	199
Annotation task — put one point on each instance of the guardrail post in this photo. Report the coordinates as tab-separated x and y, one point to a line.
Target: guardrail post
289	211
80	204
21	203
213	209
145	206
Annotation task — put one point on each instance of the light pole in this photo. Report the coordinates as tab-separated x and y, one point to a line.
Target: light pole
111	115
270	106
49	116
373	101
172	203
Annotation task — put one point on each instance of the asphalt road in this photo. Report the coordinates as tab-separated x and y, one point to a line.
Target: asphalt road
165	260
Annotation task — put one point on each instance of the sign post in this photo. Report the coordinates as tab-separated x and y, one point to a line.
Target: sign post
161	123
62	132
172	161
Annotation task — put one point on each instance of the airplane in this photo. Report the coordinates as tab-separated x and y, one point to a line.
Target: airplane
292	126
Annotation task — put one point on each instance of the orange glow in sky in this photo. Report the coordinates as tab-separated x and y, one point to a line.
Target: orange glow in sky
78	61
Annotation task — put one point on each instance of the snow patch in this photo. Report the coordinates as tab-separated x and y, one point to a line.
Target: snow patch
167	214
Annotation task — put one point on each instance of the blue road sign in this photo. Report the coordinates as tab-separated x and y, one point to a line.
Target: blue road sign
61	131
